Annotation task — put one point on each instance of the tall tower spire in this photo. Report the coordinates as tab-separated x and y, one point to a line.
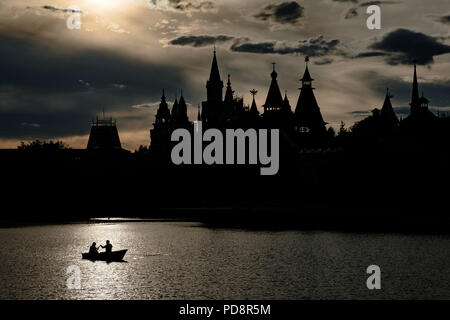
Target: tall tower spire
307	113
415	104
229	92
163	113
274	100
214	85
286	104
182	116
253	108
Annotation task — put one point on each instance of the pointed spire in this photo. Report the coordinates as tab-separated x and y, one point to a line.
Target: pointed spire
387	105
199	116
181	101
215	74
286	103
307	111
181	115
214	86
274	100
415	92
229	93
306	75
254	108
274	74
175	108
415	103
387	112
163	113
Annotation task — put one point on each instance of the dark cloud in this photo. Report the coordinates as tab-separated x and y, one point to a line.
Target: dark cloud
47	68
353	1
323	61
182	5
405	46
200	41
351	13
55	9
284	13
377	3
314	47
360	113
62	90
370	54
444	19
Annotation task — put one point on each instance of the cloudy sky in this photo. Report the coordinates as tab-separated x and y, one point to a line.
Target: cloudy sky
54	79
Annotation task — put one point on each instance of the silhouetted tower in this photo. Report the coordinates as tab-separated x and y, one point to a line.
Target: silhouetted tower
415	103
421	120
160	134
213	109
286	104
104	135
214	85
199	115
254	109
163	113
423	102
181	116
229	93
387	112
308	117
175	110
229	100
419	105
274	100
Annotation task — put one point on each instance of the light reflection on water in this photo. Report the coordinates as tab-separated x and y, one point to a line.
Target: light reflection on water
188	261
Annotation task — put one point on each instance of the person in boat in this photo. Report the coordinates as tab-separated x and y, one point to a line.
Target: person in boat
108	247
93	249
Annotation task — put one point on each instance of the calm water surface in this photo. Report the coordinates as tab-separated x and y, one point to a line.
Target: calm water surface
189	261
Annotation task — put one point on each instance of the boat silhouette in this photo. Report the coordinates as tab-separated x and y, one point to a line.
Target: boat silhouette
104	256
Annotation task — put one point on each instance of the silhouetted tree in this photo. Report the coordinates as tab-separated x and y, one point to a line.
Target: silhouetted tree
38	145
142	150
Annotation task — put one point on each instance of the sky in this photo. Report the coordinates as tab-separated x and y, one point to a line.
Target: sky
55	79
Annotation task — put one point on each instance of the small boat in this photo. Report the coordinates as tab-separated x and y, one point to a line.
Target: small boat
103	256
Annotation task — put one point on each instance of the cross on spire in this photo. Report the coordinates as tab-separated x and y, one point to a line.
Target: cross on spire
253	92
274	63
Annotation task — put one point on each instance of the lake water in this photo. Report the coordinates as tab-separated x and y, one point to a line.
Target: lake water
168	260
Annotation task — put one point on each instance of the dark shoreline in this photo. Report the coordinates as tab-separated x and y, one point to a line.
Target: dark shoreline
373	220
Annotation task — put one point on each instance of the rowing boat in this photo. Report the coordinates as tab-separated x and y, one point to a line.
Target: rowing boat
103	256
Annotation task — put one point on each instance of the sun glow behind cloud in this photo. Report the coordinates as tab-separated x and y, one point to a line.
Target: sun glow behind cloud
107	4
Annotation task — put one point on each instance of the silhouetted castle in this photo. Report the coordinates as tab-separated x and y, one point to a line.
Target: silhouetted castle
219	111
104	135
385	123
303	127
